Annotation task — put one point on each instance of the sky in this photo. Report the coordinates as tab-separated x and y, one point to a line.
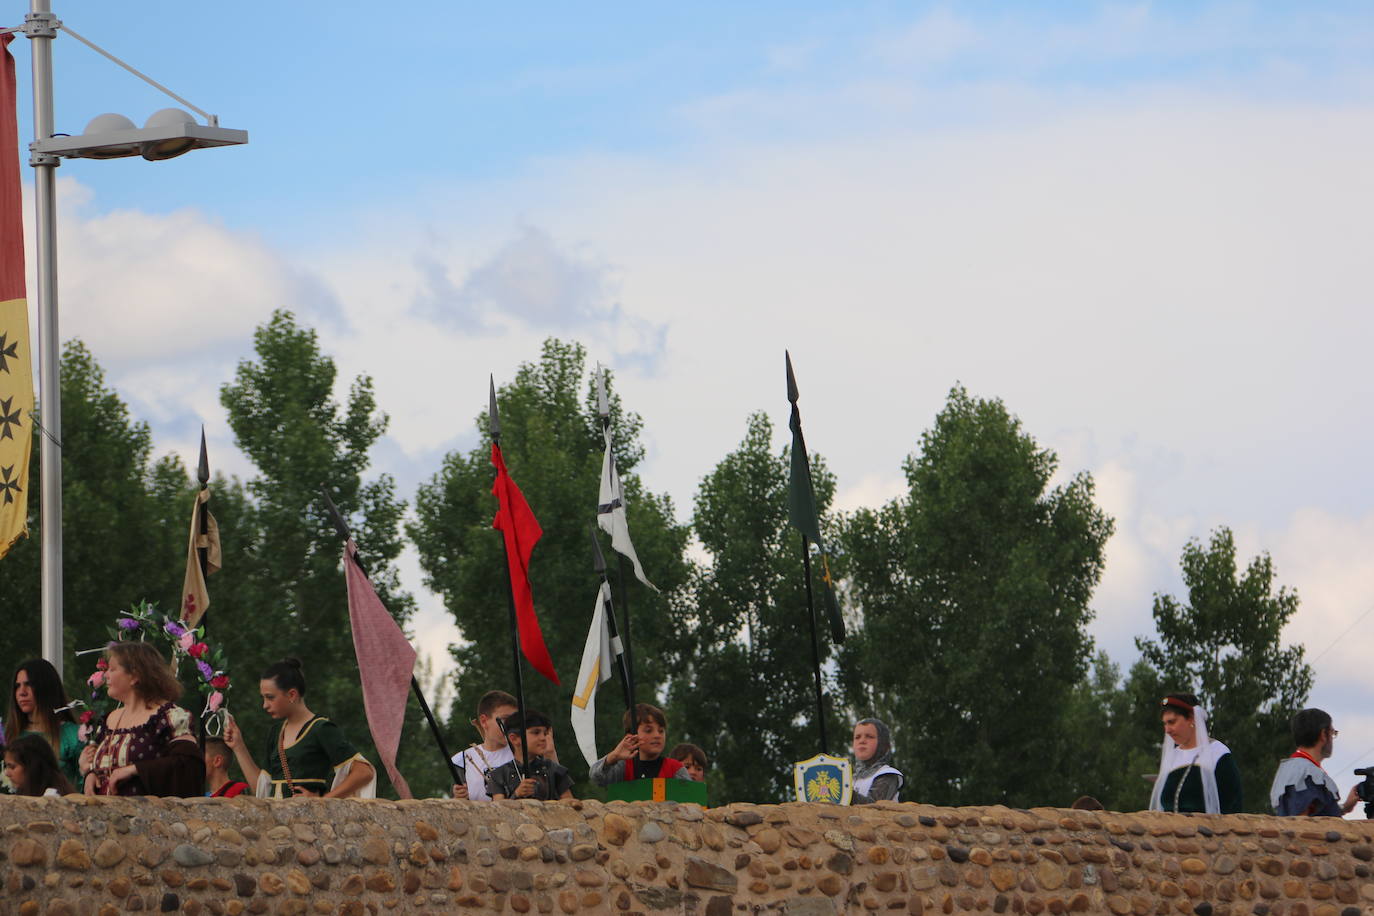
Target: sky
1143	226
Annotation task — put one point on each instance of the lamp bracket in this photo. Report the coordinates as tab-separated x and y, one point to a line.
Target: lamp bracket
41	25
37	159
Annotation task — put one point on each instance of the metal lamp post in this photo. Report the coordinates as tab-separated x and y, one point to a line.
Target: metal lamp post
168	133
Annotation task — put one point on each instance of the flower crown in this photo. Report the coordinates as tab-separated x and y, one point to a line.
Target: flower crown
141	622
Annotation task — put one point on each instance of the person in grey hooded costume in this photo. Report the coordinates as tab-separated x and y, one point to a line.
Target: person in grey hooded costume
875	778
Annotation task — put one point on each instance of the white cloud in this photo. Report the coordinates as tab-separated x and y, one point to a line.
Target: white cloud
142	287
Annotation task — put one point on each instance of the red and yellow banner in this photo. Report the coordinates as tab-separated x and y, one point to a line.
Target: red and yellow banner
16	365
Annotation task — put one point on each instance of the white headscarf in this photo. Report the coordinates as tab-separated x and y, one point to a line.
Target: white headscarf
1204	754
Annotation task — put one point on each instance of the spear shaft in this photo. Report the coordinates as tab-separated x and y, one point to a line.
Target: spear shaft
815	641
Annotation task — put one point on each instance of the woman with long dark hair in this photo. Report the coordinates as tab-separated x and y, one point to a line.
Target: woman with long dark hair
35	699
32	767
144	747
306	754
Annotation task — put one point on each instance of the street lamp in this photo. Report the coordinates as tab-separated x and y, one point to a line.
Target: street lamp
168	133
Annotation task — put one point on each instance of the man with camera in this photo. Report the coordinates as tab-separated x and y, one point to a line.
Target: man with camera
1301	787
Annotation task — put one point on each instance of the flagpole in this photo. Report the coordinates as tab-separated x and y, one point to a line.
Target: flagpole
342	528
494	422
203	475
815	642
599	562
203	556
625	640
801	477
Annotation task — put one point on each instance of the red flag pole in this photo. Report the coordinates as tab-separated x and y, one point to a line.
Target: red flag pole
494	422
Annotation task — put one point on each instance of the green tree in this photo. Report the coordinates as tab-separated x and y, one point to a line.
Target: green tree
124	539
745	691
1112	734
286	594
974	590
1224	645
552	444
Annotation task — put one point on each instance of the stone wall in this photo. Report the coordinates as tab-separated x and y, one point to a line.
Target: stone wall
108	856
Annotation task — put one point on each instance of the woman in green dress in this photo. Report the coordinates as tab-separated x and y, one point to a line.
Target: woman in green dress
307	755
35	699
1196	772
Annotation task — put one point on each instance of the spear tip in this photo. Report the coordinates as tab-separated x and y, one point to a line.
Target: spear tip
334	515
792	393
493	417
203	471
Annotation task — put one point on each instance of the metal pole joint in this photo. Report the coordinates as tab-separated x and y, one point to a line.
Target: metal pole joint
41	160
41	25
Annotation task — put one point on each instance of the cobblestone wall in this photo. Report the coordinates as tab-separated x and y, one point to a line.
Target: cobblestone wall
110	856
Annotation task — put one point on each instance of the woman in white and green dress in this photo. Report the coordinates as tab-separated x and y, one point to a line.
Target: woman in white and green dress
1196	772
307	755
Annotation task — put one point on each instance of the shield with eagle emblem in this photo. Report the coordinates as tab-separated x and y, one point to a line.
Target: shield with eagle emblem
824	779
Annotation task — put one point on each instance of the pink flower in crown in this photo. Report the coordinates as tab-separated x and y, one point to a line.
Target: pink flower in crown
83	733
216	700
96	680
186	641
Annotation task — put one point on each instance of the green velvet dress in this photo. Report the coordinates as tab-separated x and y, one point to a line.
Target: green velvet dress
319	752
1189	796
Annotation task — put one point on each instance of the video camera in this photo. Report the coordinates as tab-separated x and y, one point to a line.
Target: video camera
1365	790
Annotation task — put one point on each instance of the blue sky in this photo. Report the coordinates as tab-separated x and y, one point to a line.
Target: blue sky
1143	225
350	104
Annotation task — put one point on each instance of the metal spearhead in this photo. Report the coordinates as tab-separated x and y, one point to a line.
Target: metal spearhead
598	561
792	393
203	472
603	405
335	516
493	418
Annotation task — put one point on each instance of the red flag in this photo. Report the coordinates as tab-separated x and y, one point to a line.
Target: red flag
521	529
386	662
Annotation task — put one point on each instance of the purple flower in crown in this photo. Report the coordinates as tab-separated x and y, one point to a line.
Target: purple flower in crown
206	672
128	623
173	628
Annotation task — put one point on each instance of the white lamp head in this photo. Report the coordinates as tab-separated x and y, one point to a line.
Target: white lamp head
154	150
109	123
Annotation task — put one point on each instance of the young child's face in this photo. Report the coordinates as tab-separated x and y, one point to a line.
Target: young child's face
865	741
694	769
651	739
14	770
491	730
540	737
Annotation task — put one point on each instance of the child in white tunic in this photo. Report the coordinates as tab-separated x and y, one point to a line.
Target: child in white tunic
875	778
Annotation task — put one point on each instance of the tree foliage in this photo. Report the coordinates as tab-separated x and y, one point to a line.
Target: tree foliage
552	444
1225	646
285	594
745	690
982	574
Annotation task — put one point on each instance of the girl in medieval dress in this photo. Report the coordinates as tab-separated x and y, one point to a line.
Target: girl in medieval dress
145	746
1196	772
307	755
